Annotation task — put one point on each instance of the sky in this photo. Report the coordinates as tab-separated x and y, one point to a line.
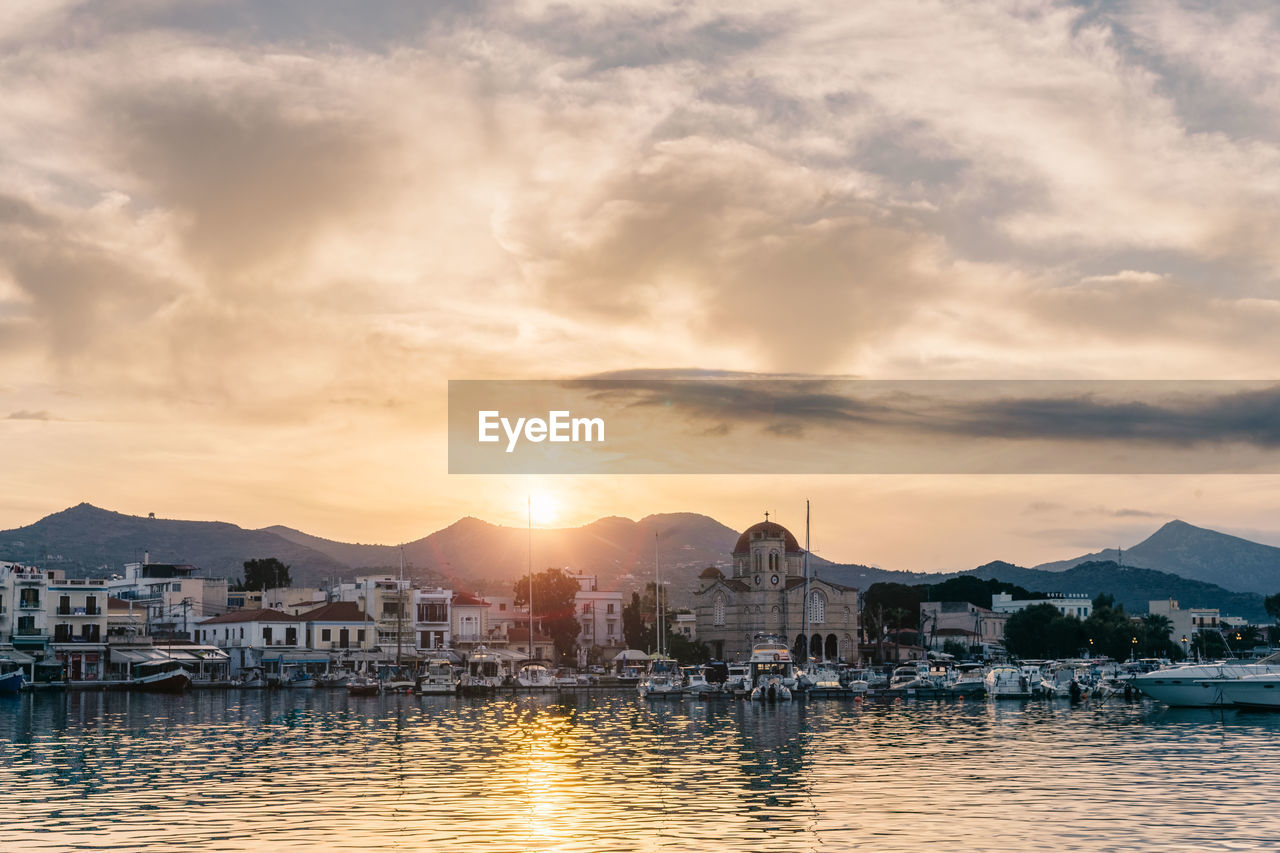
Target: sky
244	247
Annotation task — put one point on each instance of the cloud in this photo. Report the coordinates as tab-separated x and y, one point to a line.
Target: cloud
24	415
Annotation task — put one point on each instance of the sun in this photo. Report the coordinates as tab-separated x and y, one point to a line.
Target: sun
543	508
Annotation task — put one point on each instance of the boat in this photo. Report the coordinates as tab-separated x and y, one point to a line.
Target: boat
970	680
363	684
1253	691
1199	685
1007	682
823	680
737	678
535	676
485	671
396	679
440	679
663	680
161	677
300	678
335	678
11	682
917	679
770	671
251	678
695	681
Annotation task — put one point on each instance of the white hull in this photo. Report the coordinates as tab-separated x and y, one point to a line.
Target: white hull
1256	691
1197	685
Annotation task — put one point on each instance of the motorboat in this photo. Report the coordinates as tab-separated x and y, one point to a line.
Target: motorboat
396	679
662	680
252	678
737	678
695	681
535	676
1199	685
439	679
485	671
770	671
1007	682
823	680
334	678
363	684
300	678
1253	691
970	680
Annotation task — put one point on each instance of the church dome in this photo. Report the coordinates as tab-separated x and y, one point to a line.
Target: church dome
711	572
766	530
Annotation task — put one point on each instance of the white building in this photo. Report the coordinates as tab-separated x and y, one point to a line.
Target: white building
1078	605
249	635
432	628
174	598
1186	622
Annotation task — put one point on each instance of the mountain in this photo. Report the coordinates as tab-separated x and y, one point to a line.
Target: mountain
87	540
491	556
1197	554
469	553
1133	587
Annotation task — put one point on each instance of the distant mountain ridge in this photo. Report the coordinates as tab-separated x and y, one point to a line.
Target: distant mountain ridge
1195	553
1179	561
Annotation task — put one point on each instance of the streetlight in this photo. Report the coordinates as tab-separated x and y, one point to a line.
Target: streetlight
1133	655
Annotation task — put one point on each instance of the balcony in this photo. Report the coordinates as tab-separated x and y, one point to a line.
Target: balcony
28	604
28	632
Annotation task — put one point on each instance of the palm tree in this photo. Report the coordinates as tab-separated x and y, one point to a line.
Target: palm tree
1156	629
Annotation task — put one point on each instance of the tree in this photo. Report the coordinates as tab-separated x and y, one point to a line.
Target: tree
955	648
1040	631
1154	638
554	609
265	573
637	634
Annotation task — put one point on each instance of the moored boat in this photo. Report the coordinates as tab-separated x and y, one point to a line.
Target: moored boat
1007	682
771	672
663	679
11	682
439	679
363	684
163	677
1199	685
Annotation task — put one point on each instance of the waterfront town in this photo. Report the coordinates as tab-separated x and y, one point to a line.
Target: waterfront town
153	620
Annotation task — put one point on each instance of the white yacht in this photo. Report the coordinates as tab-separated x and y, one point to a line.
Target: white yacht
1253	691
770	671
439	678
663	680
1007	682
485	671
970	680
1200	685
535	676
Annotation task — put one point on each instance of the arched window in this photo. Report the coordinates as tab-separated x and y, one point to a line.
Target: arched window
817	607
717	616
773	561
755	561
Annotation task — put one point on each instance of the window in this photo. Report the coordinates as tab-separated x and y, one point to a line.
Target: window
291	636
609	608
434	610
817	607
64	605
242	632
29	598
502	605
324	635
91	605
718	610
360	636
266	636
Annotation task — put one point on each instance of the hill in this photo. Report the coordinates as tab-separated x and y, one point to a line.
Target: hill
85	540
1133	587
1197	554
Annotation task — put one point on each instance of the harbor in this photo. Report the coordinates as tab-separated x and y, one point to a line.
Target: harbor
320	769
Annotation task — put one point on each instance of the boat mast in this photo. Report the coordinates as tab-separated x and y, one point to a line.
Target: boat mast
804	604
657	592
399	609
529	656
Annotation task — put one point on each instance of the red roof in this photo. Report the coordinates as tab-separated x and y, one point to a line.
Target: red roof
711	572
468	598
251	616
337	611
766	530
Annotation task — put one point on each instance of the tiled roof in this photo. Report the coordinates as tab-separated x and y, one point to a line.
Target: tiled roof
233	616
468	598
337	611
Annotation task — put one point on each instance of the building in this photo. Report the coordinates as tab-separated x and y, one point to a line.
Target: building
978	629
766	595
469	617
249	636
1186	622
600	616
1078	605
432	628
174	598
387	600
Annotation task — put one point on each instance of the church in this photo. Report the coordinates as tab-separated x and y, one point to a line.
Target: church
766	595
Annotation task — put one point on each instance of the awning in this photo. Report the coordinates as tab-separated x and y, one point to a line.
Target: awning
123	656
296	657
15	656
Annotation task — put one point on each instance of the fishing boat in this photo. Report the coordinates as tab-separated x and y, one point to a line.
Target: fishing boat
439	679
770	671
333	678
299	678
160	677
11	682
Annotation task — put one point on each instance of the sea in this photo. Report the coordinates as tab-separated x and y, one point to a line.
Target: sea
606	771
